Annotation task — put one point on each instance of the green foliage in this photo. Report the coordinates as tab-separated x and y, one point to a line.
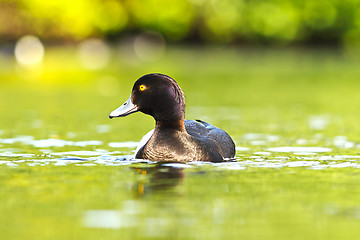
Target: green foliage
273	21
64	19
172	18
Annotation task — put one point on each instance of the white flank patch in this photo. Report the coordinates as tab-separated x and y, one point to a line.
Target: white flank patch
144	140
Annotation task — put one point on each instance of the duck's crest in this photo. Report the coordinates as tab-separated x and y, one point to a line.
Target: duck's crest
179	94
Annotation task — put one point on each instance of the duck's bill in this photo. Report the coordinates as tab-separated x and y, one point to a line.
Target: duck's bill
127	108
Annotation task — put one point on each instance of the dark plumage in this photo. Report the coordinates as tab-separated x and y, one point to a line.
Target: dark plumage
174	139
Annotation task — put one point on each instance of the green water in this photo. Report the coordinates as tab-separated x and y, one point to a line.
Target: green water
306	100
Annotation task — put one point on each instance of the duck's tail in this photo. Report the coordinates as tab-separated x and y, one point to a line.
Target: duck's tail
207	125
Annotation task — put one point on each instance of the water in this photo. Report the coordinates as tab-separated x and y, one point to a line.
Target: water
310	157
67	171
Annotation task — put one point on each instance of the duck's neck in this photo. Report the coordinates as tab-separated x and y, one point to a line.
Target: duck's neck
173	124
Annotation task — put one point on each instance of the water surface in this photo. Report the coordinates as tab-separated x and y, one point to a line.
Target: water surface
67	171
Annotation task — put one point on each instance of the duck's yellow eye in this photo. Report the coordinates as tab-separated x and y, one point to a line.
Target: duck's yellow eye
142	87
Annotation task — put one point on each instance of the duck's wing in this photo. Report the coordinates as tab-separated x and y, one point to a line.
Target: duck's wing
217	136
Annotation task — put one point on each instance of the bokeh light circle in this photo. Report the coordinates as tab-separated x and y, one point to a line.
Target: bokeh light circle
29	51
149	46
94	54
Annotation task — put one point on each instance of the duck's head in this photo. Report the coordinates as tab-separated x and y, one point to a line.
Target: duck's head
157	95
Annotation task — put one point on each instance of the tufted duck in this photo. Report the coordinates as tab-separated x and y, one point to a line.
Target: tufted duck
173	139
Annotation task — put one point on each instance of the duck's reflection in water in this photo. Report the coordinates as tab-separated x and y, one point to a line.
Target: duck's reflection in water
157	178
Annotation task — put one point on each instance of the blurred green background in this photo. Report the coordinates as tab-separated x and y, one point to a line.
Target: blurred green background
271	73
255	55
335	22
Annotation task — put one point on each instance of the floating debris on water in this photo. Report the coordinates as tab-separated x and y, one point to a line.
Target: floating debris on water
242	149
262	153
83	153
342	142
300	149
103	219
318	122
123	144
51	142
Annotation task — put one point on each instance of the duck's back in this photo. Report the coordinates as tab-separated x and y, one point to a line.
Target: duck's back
216	136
